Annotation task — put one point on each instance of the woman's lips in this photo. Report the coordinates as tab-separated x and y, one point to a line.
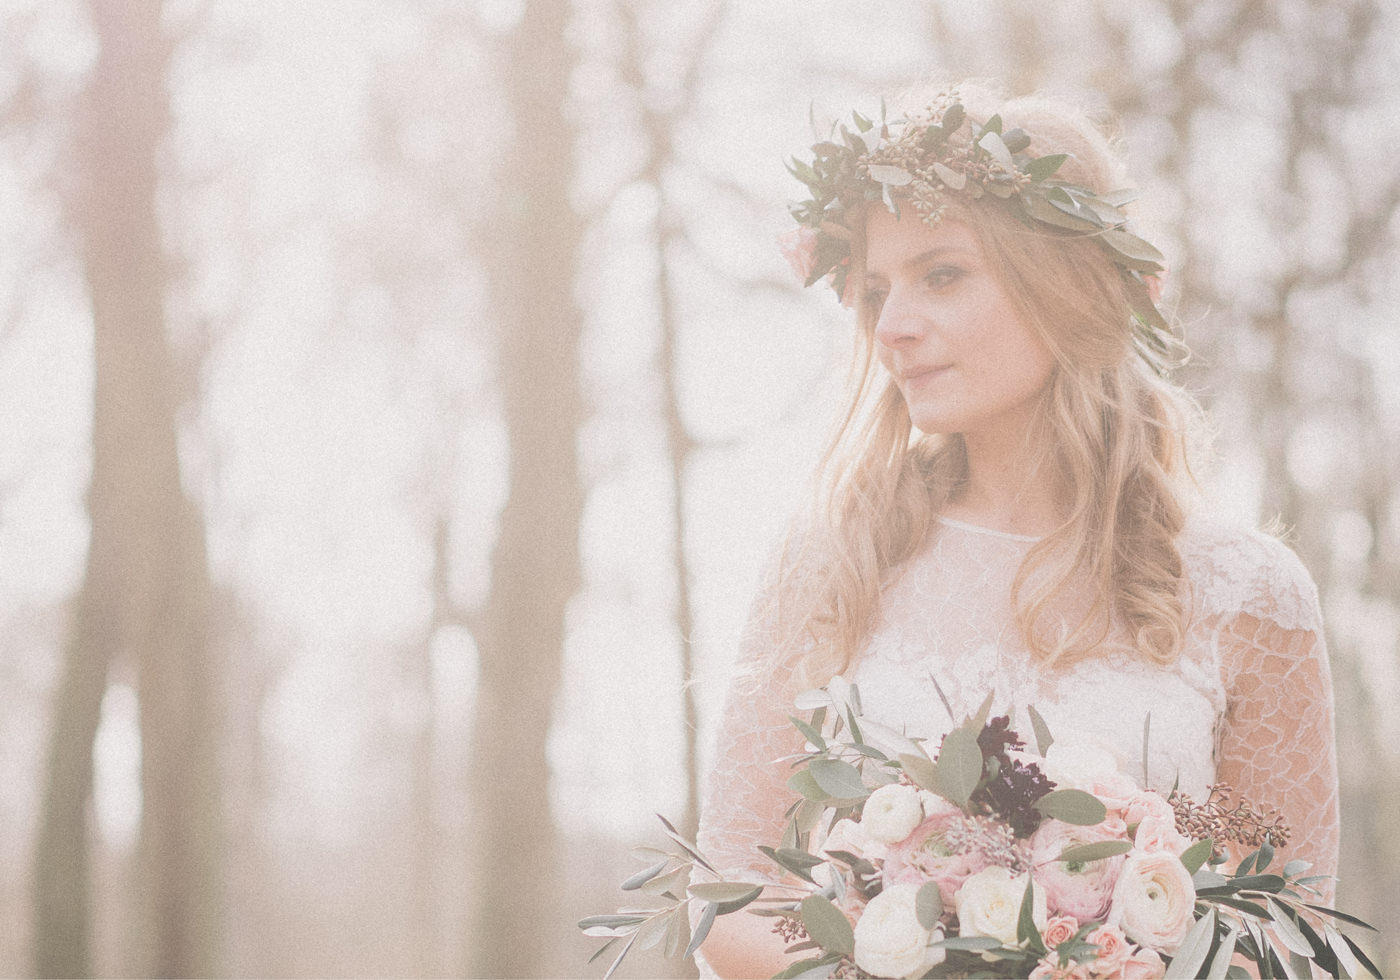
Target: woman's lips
921	375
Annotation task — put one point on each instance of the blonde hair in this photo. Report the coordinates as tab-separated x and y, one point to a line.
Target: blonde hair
1114	433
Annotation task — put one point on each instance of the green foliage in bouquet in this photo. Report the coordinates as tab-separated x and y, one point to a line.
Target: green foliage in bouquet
997	797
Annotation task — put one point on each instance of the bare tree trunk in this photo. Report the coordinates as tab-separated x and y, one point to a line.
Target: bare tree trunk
535	566
146	590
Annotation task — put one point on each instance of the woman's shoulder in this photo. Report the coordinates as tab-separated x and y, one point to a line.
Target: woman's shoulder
1233	569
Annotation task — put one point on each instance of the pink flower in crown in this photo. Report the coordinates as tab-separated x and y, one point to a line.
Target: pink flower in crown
1144	964
799	247
1114	950
926	855
1147	803
1084	890
1059	929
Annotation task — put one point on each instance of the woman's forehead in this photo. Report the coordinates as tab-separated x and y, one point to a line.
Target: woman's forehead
892	242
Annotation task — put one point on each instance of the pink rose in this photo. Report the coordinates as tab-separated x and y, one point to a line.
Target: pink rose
1155	833
799	247
1059	929
1049	969
1113	950
1143	965
925	856
1147	803
1083	890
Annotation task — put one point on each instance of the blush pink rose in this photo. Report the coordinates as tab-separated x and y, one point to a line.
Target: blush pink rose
1143	965
799	247
1155	833
1058	929
1147	804
1049	969
1113	950
1071	888
925	856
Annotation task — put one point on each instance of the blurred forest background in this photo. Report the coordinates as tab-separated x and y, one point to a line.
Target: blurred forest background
397	400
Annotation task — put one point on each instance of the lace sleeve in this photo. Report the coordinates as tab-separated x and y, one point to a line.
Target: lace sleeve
1278	746
746	794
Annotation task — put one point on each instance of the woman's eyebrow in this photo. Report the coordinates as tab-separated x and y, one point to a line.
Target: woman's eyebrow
923	258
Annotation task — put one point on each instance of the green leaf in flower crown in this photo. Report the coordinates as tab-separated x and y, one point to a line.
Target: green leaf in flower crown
890	175
1096	851
1120	197
950	177
1043	168
996	149
928	904
1072	806
1041	209
837	778
1266	857
953	117
1133	252
1195	855
979	720
959	767
827	925
1016	140
992	125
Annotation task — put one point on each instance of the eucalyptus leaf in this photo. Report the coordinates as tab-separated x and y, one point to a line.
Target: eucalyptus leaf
1361	955
953	117
827	925
1287	930
1206	878
996	149
807	816
1042	210
646	874
677	932
837	778
1220	962
1016	140
625	949
654	931
809	733
1134	252
1096	851
894	176
667	882
1121	196
1191	955
1195	855
1266	857
921	770
928	904
813	699
1026	929
805	784
959	767
1296	867
1339	948
702	927
979	720
1072	806
614	921
1043	738
722	891
1043	168
1353	920
949	176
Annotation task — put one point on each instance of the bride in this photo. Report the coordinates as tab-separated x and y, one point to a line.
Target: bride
1006	506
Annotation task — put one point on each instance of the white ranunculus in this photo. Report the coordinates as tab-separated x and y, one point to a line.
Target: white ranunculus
891	813
989	904
1074	763
1154	900
890	942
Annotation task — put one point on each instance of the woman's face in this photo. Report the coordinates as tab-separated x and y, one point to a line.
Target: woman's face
960	351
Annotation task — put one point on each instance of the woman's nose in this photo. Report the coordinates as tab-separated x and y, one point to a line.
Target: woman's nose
898	324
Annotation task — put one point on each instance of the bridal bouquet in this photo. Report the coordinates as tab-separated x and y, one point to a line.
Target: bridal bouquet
986	859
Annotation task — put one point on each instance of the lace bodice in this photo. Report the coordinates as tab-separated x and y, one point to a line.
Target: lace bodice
1249	701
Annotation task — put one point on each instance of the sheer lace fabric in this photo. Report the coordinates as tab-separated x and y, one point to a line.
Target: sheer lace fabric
1249	701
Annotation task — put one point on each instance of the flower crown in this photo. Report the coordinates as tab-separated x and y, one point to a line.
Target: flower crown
925	159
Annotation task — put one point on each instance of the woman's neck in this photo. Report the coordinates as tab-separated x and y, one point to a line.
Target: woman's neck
1009	487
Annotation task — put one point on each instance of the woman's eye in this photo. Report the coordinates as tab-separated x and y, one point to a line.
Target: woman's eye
943	275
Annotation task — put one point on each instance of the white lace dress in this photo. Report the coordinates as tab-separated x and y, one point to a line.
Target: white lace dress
1249	702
